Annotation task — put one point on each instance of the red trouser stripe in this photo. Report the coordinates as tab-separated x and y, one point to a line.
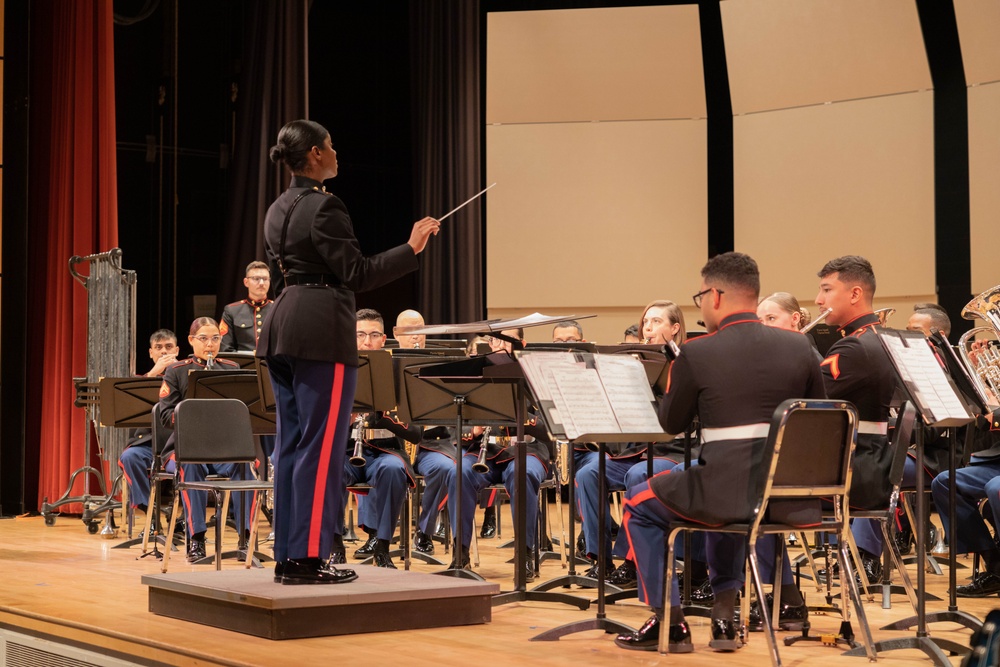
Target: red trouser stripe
326	450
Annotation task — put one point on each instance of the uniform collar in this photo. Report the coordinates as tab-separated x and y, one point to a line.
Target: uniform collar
859	322
299	181
257	304
741	317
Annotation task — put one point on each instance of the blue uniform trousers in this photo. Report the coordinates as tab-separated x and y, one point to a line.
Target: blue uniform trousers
386	474
474	482
135	462
867	533
590	503
973	483
438	471
314	400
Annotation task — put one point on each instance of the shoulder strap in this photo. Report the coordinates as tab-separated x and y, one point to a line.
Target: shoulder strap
284	231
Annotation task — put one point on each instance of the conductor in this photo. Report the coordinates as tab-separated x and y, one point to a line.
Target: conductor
308	339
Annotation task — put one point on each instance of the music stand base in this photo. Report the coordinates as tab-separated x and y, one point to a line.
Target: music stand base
609	626
845	637
895	589
568	580
933	647
460	573
960	617
533	596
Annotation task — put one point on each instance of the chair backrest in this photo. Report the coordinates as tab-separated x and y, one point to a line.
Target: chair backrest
811	443
160	433
901	438
213	430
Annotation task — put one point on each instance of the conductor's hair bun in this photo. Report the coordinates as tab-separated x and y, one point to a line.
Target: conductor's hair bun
277	153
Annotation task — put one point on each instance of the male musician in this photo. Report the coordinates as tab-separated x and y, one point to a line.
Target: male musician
409	318
137	457
772	365
857	369
568	331
242	320
632	334
386	466
927	318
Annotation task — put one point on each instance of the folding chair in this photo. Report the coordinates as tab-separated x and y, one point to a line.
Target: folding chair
811	444
209	431
157	477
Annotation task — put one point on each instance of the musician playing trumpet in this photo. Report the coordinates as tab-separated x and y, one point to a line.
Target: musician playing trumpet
384	465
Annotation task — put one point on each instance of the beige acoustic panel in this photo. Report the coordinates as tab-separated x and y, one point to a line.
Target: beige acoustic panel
979	33
815	183
625	63
984	191
789	53
582	209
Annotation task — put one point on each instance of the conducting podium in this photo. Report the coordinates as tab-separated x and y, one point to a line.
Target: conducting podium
593	398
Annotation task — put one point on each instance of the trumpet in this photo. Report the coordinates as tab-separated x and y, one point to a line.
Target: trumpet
358	457
480	464
822	316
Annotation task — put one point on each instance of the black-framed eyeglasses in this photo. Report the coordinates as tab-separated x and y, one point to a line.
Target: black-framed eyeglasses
374	335
697	297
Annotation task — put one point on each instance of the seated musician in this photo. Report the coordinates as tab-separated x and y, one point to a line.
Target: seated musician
386	466
773	366
661	321
204	338
632	334
137	458
409	318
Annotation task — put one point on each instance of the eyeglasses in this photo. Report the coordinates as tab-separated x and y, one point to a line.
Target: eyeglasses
260	280
374	335
697	297
205	340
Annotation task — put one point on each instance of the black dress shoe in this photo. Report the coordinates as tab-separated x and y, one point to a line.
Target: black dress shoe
439	531
791	617
723	635
592	571
872	565
647	638
529	565
983	585
279	570
423	543
196	550
581	546
367	549
461	563
337	557
624	576
383	559
296	571
904	540
489	528
701	590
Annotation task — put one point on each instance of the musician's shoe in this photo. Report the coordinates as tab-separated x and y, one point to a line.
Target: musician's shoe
439	531
701	590
872	565
624	576
461	563
489	529
337	557
592	571
367	549
423	543
904	540
581	547
383	559
723	635
983	585
647	638
529	565
791	617
296	571
196	550
279	571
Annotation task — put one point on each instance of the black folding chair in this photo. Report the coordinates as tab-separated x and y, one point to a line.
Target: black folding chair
158	476
209	431
811	444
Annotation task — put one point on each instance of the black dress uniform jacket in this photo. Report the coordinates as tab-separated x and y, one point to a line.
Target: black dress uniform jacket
174	390
316	321
241	324
736	376
857	369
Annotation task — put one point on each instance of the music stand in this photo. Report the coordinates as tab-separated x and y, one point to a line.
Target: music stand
939	403
245	360
242	385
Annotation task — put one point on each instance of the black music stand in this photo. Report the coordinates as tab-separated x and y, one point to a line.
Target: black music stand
242	385
245	360
127	403
915	365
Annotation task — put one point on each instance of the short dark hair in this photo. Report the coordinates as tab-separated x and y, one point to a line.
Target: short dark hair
295	140
853	269
939	319
202	322
928	306
370	315
256	264
565	324
632	331
733	270
162	334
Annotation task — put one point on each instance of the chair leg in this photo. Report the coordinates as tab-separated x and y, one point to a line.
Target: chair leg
562	528
848	581
865	584
258	501
668	586
897	563
151	508
807	549
475	540
221	517
170	522
766	620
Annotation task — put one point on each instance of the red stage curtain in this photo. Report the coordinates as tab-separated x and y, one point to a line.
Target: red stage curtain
74	211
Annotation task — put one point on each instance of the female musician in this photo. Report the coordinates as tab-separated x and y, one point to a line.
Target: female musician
309	341
662	321
204	338
782	310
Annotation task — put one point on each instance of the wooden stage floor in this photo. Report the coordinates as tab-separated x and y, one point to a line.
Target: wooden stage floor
62	583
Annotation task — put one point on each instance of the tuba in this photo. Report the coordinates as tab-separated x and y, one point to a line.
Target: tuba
985	369
883	315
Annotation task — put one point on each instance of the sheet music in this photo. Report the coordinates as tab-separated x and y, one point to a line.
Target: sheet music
627	387
584	401
920	370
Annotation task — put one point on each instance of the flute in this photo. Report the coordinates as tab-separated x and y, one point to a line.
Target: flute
822	316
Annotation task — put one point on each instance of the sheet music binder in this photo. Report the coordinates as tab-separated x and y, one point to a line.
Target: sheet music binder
934	393
127	402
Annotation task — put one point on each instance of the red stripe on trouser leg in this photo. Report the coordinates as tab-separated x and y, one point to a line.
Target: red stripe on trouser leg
323	465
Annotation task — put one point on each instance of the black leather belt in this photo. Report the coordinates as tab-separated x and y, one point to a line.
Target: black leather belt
318	279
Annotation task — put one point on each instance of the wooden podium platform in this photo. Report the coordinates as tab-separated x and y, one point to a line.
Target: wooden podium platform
249	601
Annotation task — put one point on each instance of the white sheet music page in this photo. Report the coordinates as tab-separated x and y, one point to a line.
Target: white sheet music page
628	390
538	371
920	368
584	401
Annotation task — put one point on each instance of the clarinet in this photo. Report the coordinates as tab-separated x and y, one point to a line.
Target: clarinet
480	464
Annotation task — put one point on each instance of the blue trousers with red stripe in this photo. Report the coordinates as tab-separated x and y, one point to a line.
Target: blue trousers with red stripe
380	510
438	471
979	480
314	401
474	482
135	462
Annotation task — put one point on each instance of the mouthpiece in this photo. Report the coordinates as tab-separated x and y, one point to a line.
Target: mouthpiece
647	341
822	316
